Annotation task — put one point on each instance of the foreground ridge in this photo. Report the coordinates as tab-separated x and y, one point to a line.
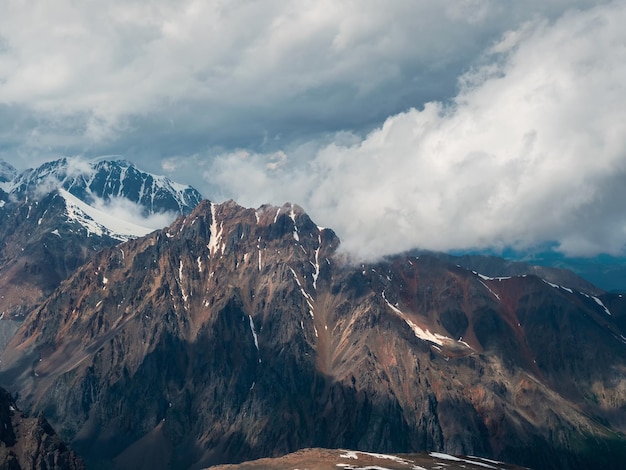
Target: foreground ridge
326	459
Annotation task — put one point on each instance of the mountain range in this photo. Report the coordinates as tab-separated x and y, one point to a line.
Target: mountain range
235	334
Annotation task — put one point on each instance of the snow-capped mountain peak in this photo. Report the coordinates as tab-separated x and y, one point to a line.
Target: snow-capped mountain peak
7	172
94	181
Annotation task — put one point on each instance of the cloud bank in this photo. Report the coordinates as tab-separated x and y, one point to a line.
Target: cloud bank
441	124
164	79
126	210
531	149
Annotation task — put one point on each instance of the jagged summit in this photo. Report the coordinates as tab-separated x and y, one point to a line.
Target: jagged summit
7	172
106	198
106	180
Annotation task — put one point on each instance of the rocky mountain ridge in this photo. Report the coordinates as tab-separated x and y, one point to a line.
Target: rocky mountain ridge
237	334
30	443
493	266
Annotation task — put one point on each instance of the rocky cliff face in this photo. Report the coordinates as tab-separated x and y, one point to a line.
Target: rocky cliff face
238	334
30	443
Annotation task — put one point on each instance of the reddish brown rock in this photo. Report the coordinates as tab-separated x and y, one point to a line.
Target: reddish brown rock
30	443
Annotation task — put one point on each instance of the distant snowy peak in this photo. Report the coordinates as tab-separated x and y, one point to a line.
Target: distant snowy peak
7	172
107	180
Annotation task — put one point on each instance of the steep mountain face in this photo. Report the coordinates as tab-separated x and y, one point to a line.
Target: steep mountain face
50	224
237	334
29	443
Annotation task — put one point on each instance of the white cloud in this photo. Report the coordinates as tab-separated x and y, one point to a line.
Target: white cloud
533	148
77	166
91	73
120	208
284	94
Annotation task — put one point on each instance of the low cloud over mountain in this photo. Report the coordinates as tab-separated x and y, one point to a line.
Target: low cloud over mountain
532	149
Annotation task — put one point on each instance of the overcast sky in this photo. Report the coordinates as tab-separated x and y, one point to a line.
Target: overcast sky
440	124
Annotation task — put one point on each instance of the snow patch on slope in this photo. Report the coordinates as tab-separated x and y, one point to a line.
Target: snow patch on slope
556	286
316	266
419	332
593	297
487	278
254	335
487	287
599	302
216	236
452	458
354	455
292	216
